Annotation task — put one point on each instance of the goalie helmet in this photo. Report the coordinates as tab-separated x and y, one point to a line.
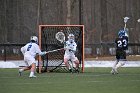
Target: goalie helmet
34	39
71	38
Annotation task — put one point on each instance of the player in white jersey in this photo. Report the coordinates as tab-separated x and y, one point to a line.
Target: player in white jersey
70	49
30	50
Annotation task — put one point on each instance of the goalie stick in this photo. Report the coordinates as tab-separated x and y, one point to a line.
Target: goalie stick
60	36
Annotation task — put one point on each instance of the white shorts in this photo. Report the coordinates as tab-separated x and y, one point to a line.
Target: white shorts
29	60
70	57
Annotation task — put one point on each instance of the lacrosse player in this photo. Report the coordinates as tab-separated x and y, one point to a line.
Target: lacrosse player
70	49
121	47
30	50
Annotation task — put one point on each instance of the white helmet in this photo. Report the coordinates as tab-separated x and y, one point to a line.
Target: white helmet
71	36
34	38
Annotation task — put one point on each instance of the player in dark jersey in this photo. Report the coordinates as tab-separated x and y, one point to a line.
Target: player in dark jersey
121	47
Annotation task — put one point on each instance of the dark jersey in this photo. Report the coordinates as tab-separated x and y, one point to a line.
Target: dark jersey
121	46
125	42
118	43
122	43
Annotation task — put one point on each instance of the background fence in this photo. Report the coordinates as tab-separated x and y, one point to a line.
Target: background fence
19	19
12	51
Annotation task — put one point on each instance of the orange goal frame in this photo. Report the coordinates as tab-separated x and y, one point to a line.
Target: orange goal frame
39	35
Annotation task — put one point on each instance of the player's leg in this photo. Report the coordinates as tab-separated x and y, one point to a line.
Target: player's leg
66	59
120	64
116	62
122	61
76	61
33	68
24	68
114	66
31	62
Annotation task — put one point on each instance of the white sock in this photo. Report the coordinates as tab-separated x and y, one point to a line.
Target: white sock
114	65
31	73
21	70
117	66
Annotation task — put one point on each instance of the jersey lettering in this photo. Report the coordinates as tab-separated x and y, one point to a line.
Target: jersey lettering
122	43
119	43
29	47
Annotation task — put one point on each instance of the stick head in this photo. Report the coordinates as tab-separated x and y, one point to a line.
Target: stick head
126	19
60	36
138	20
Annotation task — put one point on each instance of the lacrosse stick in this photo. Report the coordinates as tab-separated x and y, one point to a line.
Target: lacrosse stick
60	36
125	21
54	50
138	20
125	29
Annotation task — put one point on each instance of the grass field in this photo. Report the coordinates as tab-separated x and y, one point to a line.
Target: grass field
94	80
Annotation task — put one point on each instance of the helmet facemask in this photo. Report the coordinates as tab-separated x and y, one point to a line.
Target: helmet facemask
71	38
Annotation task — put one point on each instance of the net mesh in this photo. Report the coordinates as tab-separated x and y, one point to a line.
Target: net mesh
54	61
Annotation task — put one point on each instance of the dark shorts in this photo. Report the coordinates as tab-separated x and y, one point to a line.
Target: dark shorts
120	54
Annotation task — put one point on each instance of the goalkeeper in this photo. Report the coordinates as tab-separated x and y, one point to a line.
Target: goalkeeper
30	50
70	49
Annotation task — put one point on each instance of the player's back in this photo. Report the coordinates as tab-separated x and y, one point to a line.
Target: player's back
125	42
119	44
31	49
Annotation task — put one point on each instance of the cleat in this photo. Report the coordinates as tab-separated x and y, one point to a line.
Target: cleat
33	76
77	70
112	72
116	71
20	72
70	70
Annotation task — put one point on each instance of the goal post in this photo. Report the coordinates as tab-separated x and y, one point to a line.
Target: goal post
47	42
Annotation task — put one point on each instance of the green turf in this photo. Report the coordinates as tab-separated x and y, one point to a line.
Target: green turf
94	80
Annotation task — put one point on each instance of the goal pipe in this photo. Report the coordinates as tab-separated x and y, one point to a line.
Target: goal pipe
39	34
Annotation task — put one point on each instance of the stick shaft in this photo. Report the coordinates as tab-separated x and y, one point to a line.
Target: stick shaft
55	50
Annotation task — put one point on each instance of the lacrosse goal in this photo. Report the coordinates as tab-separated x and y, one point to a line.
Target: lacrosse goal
53	61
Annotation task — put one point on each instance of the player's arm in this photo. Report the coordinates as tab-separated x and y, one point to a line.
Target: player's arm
66	45
38	51
22	50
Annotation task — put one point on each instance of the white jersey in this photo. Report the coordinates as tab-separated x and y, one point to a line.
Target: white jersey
70	48
31	49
